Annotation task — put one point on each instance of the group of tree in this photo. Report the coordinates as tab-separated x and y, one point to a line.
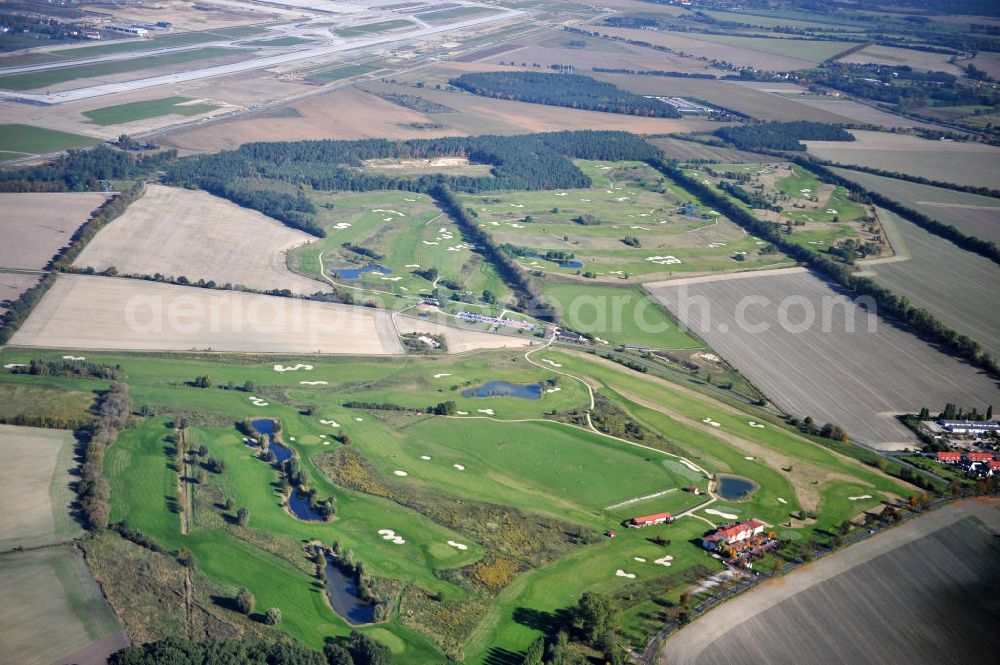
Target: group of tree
113	414
84	170
952	412
570	90
920	321
781	135
595	622
77	369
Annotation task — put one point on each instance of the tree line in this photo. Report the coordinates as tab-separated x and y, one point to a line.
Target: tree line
570	90
84	170
923	323
110	210
113	414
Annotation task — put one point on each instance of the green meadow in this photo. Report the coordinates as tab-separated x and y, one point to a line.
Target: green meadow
150	108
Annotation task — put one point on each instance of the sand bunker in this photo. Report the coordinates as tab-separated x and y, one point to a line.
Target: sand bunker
489	412
639	559
713	423
390	535
460	467
425	457
391	212
257	401
458	546
358	419
331	423
668	260
462	413
441	376
14	365
553	390
402	474
749	457
858	498
622	573
292	368
313	383
551	362
780	500
73	358
725	516
664	560
755	424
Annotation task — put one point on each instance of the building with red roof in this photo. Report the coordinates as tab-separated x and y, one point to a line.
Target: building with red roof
995	465
980	457
649	520
733	533
948	457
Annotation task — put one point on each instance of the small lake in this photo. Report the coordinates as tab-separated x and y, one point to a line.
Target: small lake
356	273
266	426
342	592
570	264
298	503
504	389
736	487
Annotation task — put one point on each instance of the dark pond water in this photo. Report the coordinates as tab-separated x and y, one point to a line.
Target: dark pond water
280	452
570	264
504	389
342	592
356	273
299	504
266	426
735	487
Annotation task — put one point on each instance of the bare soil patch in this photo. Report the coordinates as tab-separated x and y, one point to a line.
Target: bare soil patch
178	232
33	227
460	340
85	312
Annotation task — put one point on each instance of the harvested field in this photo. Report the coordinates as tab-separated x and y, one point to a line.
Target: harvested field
51	610
890	55
923	593
956	285
726	94
460	340
84	312
947	161
13	284
764	53
35	487
861	113
207	237
34	227
970	213
831	368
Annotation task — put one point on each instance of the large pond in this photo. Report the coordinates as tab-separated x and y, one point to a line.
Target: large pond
342	592
504	389
356	273
735	488
266	426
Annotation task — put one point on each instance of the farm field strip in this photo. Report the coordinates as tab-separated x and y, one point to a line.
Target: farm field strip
207	238
956	285
17	140
35	226
837	376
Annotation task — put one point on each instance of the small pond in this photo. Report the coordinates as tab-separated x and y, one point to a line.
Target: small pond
266	426
570	264
298	503
735	488
281	453
342	592
356	273
504	389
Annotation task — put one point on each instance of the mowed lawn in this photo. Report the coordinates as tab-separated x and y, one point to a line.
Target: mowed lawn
21	140
35	487
50	606
150	108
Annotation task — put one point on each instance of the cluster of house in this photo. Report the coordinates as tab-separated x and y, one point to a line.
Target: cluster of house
977	427
733	534
981	465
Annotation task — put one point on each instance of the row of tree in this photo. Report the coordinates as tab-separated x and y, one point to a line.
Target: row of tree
79	369
112	415
84	170
570	90
109	210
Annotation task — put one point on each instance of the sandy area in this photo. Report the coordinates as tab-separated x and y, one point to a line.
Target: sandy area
33	227
84	312
178	232
459	340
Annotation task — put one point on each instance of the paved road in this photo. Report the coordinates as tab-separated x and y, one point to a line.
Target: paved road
247	65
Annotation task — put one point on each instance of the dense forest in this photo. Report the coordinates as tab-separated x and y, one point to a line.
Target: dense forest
781	135
83	170
572	90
